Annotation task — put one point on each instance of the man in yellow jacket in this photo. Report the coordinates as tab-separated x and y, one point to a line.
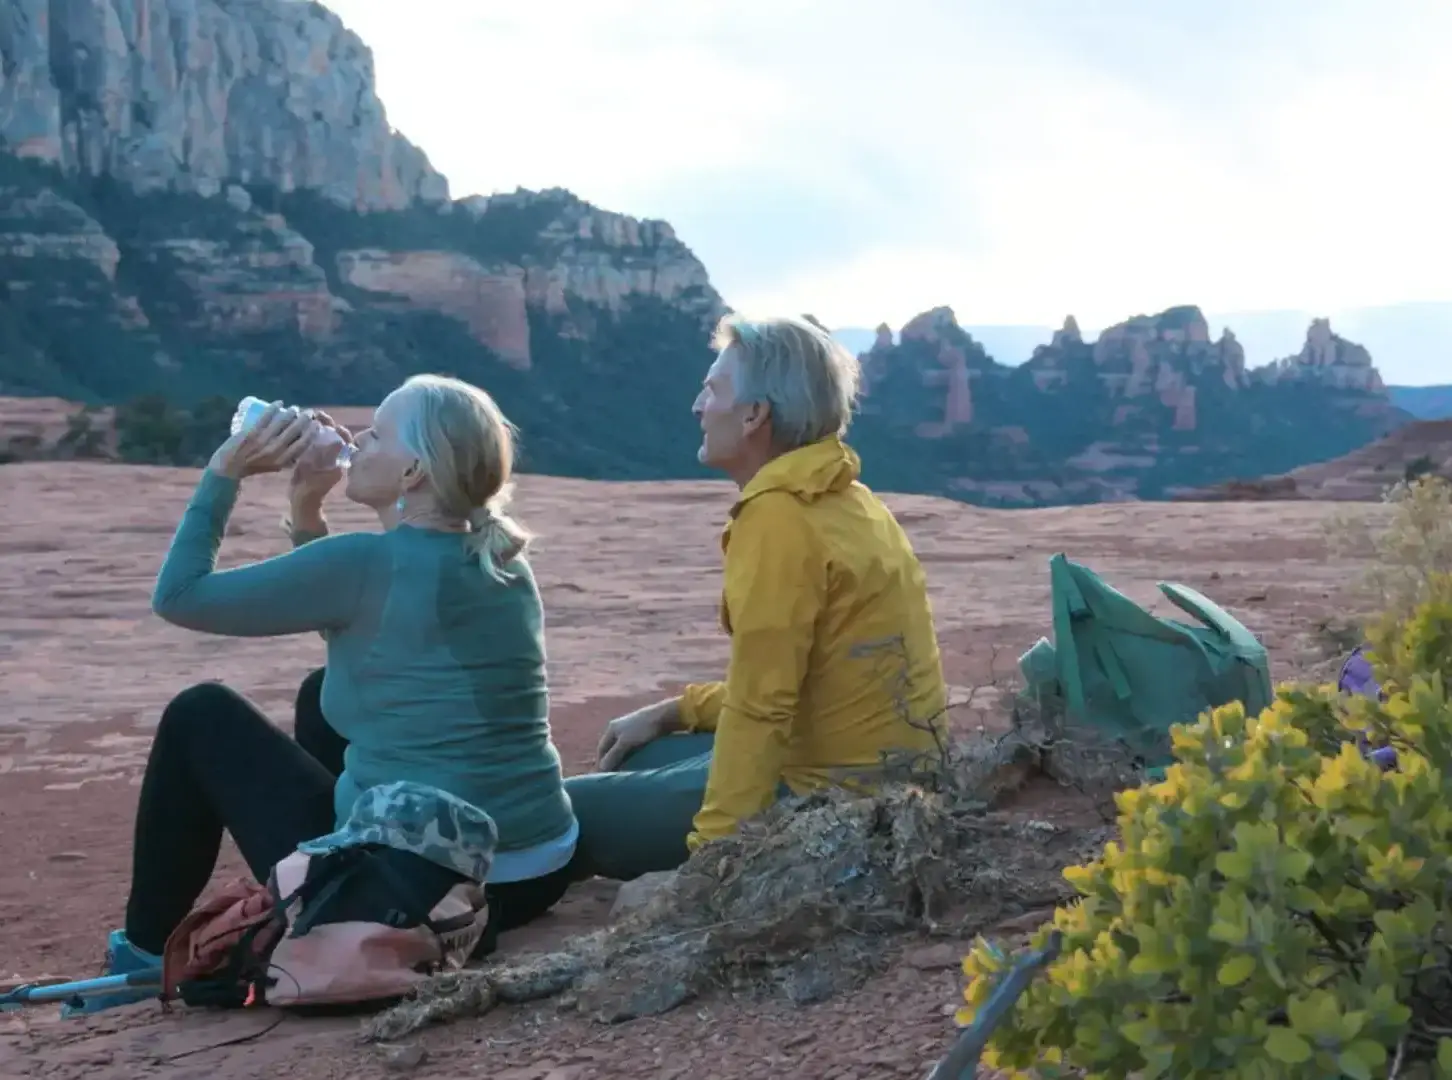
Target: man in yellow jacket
834	659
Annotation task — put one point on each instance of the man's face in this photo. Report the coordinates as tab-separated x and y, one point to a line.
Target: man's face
726	424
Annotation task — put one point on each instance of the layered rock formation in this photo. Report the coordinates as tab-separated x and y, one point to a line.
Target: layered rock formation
205	197
1147	362
1152	402
1326	360
190	94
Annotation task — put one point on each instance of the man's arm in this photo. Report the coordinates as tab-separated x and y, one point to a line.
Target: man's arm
775	590
699	706
314	587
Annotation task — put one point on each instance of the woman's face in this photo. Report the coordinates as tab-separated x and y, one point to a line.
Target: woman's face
381	469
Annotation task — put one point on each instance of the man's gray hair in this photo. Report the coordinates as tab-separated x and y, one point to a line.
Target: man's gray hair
809	380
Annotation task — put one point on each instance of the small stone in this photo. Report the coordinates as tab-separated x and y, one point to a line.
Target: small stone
404	1057
1025	923
238	198
938	957
634	895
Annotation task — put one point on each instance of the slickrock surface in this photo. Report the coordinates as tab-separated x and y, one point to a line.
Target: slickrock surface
630	578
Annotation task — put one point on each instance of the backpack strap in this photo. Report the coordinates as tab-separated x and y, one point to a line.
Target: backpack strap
1236	639
412	910
1194	603
329	874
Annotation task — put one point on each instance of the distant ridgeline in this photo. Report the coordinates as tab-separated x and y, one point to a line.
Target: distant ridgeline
154	258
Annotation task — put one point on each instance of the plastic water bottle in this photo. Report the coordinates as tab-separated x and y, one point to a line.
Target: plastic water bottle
329	449
249	411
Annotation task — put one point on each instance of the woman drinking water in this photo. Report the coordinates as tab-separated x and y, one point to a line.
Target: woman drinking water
435	661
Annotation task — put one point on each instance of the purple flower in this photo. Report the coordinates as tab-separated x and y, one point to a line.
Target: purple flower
1357	677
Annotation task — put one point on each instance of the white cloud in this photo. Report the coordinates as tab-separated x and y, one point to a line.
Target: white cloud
865	160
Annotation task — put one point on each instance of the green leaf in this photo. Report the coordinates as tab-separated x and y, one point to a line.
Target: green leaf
1152	964
1287	1047
1235	865
1316	1016
1294	865
1157	1062
1352	1066
1235	970
1444	1057
1368	1051
1141	1032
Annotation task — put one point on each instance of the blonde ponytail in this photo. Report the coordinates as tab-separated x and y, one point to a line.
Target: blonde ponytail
495	538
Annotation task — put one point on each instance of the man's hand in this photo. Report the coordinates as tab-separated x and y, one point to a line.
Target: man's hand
626	734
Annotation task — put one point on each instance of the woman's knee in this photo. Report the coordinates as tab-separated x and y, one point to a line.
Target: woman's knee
310	695
206	703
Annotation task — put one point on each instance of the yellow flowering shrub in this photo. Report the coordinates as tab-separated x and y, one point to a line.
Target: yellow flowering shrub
1276	907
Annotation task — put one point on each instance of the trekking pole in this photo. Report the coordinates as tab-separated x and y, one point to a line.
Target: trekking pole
961	1061
50	993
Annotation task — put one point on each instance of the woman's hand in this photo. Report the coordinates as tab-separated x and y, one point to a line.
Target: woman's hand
626	734
307	487
279	438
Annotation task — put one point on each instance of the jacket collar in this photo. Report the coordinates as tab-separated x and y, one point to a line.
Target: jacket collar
808	472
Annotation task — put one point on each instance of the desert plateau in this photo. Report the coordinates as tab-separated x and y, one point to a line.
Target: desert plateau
630	574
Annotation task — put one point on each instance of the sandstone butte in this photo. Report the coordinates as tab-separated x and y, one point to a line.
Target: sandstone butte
629	573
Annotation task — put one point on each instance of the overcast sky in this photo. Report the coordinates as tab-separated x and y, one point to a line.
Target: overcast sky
1017	159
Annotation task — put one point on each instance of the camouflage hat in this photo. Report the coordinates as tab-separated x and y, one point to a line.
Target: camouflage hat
424	820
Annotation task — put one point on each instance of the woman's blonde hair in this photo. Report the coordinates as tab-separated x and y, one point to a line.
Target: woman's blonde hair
466	447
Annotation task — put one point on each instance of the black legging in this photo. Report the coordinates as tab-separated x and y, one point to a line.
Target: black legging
218	763
312	732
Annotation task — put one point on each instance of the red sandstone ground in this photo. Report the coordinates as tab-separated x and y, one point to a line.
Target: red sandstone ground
629	573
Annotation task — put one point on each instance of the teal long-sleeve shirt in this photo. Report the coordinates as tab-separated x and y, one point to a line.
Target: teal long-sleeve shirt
435	670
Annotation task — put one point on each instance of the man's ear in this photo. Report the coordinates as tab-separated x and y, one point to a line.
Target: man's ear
757	415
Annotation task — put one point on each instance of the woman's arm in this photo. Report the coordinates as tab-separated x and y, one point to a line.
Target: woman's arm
775	589
305	521
314	587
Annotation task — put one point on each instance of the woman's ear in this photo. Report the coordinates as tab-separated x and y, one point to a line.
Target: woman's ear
413	476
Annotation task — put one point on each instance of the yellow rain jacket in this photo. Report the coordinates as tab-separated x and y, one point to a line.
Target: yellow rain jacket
834	658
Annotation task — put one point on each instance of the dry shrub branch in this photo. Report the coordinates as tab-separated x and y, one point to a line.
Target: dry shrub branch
1403	546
